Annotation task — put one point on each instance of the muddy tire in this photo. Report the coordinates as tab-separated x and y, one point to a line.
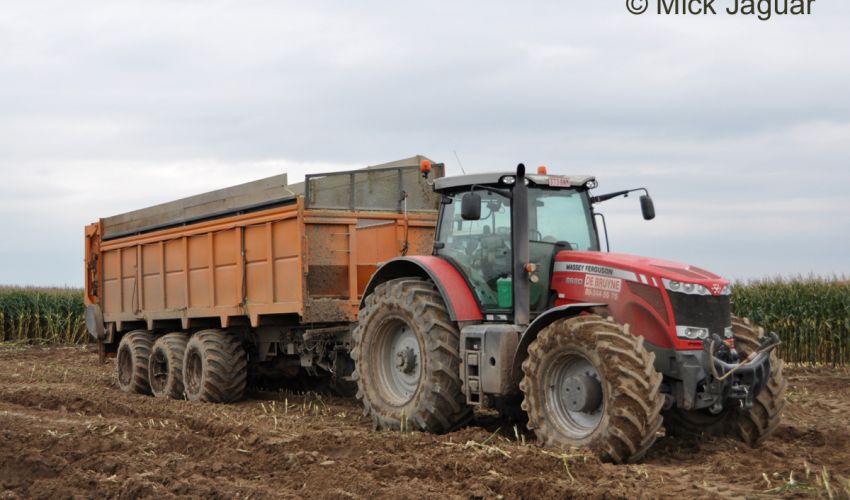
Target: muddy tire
755	425
132	362
215	367
406	357
589	383
165	370
751	426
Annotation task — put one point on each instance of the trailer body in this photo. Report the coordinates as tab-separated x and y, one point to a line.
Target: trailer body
268	264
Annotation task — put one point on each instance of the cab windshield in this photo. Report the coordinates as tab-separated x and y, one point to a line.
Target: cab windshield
481	249
561	215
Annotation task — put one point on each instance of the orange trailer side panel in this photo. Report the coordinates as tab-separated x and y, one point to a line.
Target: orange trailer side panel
175	273
278	261
286	253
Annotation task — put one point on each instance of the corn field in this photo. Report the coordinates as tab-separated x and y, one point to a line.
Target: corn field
811	316
42	315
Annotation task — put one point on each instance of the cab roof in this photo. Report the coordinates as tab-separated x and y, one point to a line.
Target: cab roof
494	179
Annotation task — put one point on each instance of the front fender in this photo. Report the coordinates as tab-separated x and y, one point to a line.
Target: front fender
539	323
454	289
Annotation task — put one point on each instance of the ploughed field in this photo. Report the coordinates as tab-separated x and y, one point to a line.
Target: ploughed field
66	429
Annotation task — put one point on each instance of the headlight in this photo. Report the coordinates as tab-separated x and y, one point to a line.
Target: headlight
691	332
509	180
689	288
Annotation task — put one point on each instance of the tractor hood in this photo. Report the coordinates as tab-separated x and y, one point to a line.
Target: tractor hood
645	270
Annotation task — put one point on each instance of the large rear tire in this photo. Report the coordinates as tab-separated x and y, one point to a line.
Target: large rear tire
215	367
165	369
589	383
132	362
407	364
751	426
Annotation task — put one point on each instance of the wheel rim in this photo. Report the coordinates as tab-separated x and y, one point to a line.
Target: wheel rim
398	359
194	371
158	370
125	367
574	395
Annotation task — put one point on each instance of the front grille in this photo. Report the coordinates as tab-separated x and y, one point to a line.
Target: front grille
702	311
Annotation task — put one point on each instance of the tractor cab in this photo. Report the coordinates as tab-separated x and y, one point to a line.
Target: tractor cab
476	232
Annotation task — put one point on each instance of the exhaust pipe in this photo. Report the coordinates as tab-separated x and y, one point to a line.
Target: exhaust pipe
519	242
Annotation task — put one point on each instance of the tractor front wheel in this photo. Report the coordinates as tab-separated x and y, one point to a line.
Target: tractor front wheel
589	383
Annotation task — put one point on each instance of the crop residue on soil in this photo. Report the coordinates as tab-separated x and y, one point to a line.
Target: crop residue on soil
65	429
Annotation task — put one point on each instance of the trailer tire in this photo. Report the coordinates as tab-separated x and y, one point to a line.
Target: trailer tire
165	370
215	367
407	361
751	426
134	351
589	383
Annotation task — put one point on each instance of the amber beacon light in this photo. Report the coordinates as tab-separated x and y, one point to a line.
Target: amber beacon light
425	167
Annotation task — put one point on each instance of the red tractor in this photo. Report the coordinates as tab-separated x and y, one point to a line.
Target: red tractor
519	307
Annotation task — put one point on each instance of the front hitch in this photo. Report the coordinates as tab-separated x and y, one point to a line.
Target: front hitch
748	376
722	369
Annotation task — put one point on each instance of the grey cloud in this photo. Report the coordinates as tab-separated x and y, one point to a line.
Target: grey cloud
110	106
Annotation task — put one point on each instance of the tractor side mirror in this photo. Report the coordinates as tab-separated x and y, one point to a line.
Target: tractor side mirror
647	207
470	206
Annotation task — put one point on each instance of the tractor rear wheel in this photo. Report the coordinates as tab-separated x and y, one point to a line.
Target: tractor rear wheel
132	362
407	364
589	383
166	365
751	426
215	367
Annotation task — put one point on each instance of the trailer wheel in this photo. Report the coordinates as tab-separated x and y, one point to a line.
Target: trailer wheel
132	362
751	426
589	383
407	364
215	367
165	369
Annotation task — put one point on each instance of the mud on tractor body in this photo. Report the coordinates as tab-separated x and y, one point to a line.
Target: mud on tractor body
519	308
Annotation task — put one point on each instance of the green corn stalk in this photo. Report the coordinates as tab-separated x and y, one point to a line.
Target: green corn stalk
811	316
42	315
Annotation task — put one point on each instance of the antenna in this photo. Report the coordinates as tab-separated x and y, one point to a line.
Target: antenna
459	162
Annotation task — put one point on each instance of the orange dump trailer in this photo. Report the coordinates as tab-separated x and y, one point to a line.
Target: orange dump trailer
279	268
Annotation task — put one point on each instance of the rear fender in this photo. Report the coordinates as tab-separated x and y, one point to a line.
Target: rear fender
541	322
454	289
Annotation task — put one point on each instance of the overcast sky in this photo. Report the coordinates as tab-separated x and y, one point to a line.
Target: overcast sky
740	128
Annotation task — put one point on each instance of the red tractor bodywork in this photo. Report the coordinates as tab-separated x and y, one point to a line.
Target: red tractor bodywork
633	288
462	303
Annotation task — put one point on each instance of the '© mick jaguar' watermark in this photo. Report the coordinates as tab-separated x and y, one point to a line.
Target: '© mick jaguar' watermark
764	10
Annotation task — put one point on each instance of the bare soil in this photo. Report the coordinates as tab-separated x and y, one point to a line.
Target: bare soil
66	430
